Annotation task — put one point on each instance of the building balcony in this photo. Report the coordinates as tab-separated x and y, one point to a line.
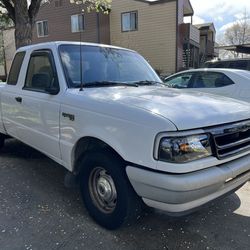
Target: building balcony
190	34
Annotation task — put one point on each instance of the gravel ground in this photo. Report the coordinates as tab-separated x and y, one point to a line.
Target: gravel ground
38	212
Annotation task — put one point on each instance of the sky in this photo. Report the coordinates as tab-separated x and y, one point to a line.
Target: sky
221	12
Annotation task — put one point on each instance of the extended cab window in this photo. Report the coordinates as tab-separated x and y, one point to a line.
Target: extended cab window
15	68
41	73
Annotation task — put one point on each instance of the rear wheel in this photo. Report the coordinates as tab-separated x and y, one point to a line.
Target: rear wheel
106	191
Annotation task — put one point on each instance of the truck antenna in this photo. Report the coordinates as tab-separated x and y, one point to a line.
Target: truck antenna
81	63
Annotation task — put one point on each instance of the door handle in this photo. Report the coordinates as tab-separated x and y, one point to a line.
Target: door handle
70	116
18	99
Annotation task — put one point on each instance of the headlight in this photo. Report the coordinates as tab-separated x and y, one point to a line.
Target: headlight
184	149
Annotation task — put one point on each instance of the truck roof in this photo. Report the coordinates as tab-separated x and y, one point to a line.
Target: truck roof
58	43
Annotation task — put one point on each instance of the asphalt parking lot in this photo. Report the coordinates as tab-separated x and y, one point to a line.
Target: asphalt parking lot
38	212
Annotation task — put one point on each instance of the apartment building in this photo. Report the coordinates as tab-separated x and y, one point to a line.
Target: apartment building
154	28
61	20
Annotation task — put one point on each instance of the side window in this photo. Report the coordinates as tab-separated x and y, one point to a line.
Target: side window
215	64
15	68
40	74
219	65
238	64
180	81
210	80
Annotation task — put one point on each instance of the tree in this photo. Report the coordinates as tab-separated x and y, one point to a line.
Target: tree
238	33
23	14
95	5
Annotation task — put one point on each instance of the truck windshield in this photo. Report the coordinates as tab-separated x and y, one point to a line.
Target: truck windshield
104	65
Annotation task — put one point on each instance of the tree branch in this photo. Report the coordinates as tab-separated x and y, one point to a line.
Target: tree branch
10	9
34	8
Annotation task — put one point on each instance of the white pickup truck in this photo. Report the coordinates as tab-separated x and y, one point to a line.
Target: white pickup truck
102	113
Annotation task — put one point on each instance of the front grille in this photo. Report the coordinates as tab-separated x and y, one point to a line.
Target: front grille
231	140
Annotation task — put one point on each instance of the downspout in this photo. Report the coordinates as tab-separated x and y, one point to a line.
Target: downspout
4	56
98	27
177	36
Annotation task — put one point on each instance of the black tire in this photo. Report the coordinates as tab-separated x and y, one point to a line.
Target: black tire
123	210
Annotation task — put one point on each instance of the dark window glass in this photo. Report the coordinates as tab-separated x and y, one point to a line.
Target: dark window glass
15	68
220	65
40	75
210	80
216	65
238	65
129	21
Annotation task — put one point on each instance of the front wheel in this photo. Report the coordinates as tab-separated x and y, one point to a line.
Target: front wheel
106	191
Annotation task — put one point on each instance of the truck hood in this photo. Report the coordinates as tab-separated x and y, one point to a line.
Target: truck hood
186	110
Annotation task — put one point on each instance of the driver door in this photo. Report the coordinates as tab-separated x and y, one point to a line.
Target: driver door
40	106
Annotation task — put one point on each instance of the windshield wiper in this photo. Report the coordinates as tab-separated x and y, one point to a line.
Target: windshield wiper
147	82
108	84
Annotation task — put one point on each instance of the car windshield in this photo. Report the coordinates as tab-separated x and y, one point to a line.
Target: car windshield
104	66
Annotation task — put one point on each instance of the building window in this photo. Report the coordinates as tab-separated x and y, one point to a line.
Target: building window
42	28
58	3
77	23
129	21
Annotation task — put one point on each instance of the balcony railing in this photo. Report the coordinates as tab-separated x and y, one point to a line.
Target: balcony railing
210	48
211	51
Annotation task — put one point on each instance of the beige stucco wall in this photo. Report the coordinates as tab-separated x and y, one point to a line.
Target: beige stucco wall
155	38
9	46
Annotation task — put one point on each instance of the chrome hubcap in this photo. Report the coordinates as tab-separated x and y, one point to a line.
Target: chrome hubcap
102	190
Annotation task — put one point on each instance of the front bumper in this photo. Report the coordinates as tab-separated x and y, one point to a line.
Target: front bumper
178	193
